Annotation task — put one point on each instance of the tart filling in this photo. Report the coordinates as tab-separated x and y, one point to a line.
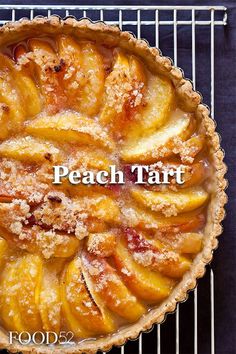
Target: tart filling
95	259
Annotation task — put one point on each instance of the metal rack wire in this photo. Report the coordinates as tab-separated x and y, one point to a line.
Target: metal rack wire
137	18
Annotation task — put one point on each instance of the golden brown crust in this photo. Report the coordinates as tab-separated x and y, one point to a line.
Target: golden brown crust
191	100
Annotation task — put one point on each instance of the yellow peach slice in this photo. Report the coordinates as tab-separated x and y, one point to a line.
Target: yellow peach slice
121	65
71	128
49	302
49	71
29	149
195	174
101	244
188	243
147	220
144	283
69	51
47	243
171	203
100	206
3	251
159	144
155	256
10	98
93	70
72	323
26	87
124	88
83	78
110	288
159	97
192	147
91	160
4	120
10	314
29	276
79	304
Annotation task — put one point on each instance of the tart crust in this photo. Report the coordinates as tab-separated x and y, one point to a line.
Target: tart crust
191	100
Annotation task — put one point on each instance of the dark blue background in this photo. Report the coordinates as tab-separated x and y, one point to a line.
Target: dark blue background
224	263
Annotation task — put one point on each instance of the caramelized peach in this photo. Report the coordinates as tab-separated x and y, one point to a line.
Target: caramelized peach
158	98
124	88
171	203
101	244
83	76
159	144
147	284
48	243
155	257
20	285
26	87
11	317
70	127
110	288
50	302
30	150
147	220
10	97
29	275
189	242
82	314
49	71
3	251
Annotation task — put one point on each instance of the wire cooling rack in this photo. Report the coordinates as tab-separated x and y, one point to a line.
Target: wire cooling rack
167	27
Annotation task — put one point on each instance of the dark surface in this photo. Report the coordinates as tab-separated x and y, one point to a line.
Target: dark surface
224	263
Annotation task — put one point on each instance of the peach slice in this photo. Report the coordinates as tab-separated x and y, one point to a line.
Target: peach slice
83	74
29	276
50	302
71	128
29	149
171	203
49	73
192	147
146	284
35	240
10	97
100	206
155	257
82	314
159	144
90	160
147	220
69	52
187	243
4	120
101	244
3	251
10	314
124	88
93	71
110	288
159	97
195	174
19	283
25	86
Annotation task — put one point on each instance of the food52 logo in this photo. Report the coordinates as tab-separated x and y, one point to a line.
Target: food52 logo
38	338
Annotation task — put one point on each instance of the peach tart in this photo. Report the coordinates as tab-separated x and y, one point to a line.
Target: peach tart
100	262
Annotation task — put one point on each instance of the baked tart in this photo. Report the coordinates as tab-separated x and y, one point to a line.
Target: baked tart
101	262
